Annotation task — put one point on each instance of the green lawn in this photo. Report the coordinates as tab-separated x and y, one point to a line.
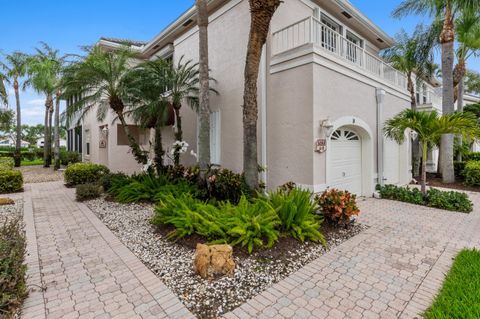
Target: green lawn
32	163
459	297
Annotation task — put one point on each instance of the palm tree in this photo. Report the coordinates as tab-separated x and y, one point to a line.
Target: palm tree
413	56
204	103
99	79
11	72
261	13
149	106
445	10
3	92
472	82
429	128
468	30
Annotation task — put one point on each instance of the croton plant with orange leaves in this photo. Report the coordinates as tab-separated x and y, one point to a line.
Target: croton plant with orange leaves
337	206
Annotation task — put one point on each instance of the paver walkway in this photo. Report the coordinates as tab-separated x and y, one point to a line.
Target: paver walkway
85	269
392	270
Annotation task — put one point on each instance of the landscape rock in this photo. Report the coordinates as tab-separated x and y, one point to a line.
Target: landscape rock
214	261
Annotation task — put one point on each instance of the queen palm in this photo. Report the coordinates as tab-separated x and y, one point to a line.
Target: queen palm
446	11
99	79
429	128
261	13
413	56
11	72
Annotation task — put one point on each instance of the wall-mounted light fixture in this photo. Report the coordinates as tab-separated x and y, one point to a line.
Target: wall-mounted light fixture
105	129
327	127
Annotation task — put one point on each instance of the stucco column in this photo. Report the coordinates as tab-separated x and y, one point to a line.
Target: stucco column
380	94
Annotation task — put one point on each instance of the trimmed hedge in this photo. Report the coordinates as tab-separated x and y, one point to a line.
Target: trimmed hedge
13	287
84	173
68	157
448	200
11	181
6	163
472	156
87	191
472	173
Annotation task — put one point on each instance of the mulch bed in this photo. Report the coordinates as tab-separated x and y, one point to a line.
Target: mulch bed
434	181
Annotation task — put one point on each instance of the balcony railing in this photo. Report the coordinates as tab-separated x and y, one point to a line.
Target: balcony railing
311	30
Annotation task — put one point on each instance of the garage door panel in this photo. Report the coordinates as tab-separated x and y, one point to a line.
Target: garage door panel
345	162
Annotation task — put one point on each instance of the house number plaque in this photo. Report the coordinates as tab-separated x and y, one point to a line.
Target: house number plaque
320	145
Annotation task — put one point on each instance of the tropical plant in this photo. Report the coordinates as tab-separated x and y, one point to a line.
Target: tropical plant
87	191
204	90
261	13
472	82
11	72
252	224
338	207
413	55
429	128
297	213
472	173
150	107
445	11
100	79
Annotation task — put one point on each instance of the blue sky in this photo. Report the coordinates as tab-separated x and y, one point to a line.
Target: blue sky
67	24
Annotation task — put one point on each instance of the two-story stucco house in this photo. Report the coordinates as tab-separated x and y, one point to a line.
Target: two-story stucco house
324	95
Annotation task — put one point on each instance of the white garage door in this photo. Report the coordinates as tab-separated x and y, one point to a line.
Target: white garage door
345	161
391	160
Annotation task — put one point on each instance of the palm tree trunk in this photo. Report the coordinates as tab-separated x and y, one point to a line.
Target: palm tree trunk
50	120
159	152
261	14
447	40
140	156
18	141
204	106
424	168
178	133
46	132
415	143
461	90
56	136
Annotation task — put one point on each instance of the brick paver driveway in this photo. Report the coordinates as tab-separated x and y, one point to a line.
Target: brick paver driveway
391	270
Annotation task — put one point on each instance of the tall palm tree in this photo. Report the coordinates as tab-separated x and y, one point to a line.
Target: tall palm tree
149	105
445	10
429	128
3	91
468	31
472	82
413	55
261	13
204	103
11	72
99	79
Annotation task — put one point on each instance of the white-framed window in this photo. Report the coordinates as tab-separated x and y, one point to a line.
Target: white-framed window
215	137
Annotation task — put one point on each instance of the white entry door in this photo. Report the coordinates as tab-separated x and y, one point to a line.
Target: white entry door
391	160
345	161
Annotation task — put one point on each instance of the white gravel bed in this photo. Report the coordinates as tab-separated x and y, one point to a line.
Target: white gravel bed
172	262
11	211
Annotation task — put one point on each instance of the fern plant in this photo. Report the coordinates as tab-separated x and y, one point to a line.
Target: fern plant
296	211
251	224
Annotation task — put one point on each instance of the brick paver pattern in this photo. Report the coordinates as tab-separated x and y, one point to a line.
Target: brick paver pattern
392	270
85	271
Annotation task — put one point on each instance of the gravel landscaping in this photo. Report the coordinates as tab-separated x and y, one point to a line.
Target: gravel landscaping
11	211
172	262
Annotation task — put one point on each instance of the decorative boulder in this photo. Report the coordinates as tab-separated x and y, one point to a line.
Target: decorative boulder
214	261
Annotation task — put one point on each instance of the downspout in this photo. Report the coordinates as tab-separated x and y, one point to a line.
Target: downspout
380	94
263	110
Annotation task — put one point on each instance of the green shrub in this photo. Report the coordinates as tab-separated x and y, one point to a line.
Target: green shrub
223	184
251	224
402	194
189	216
143	188
84	173
87	191
68	157
472	156
6	163
472	173
10	181
297	213
459	168
454	201
338	207
13	288
107	180
448	200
